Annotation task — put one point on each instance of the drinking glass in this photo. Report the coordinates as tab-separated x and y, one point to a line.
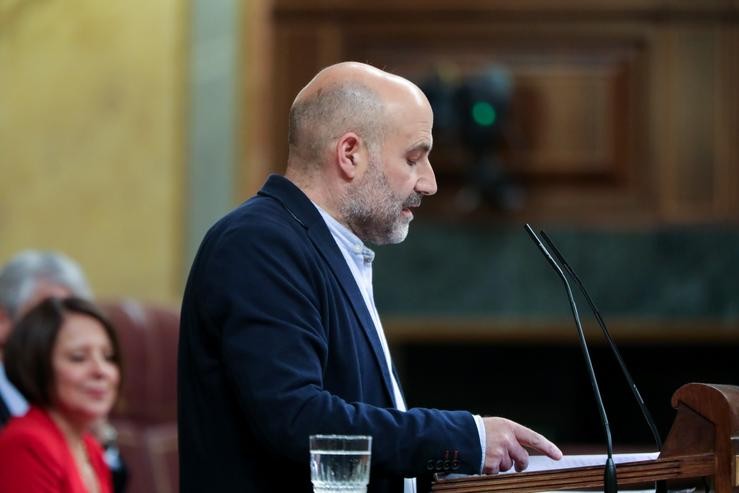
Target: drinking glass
340	463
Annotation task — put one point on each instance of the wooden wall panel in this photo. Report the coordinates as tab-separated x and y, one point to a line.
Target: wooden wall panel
727	118
689	116
563	135
575	138
256	124
696	116
496	8
623	111
301	49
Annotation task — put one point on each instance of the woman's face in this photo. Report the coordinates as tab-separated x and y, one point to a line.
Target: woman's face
85	375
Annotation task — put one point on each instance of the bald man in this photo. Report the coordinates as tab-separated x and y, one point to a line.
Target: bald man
280	337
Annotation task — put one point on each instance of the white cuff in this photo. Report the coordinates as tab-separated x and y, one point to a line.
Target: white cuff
483	438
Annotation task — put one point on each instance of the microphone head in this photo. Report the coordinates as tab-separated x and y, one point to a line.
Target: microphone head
546	253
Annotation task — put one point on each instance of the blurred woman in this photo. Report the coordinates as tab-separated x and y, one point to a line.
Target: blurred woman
64	357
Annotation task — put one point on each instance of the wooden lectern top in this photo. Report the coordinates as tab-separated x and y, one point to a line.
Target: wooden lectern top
703	442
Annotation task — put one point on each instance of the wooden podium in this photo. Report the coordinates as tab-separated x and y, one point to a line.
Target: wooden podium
703	442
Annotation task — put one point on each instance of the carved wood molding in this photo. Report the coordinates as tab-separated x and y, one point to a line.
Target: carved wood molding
484	9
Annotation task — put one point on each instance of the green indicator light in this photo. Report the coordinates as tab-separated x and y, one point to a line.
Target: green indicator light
483	113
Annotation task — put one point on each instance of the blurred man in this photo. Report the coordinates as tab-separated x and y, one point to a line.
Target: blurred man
27	279
280	337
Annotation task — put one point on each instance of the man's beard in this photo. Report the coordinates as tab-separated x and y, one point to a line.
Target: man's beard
373	212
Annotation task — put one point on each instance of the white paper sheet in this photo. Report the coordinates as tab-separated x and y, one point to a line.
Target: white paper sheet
544	463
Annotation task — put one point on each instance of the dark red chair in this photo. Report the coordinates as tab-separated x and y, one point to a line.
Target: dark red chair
146	413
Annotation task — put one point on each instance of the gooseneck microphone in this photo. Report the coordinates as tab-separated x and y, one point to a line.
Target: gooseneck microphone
661	486
611	344
610	483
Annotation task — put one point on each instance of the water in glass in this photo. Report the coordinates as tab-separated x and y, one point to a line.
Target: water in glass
339	471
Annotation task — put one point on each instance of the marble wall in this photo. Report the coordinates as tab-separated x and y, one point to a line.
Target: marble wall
478	272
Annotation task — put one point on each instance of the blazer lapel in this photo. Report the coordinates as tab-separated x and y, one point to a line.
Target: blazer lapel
330	251
301	208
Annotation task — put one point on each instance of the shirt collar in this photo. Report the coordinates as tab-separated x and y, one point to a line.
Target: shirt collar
346	239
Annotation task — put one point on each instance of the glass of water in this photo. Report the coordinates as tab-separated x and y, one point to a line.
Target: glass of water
340	463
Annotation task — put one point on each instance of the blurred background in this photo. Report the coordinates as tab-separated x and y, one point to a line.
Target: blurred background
127	128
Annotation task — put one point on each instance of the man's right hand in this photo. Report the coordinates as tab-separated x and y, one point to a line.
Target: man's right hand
506	444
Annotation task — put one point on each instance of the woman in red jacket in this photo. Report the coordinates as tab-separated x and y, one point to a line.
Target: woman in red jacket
64	358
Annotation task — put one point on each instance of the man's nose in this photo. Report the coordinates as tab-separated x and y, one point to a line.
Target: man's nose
426	183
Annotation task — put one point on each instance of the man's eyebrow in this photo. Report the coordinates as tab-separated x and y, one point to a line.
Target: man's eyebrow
424	146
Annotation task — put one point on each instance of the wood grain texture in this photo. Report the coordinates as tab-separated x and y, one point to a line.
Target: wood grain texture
623	112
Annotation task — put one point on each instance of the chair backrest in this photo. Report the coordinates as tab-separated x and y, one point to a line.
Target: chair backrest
146	413
148	336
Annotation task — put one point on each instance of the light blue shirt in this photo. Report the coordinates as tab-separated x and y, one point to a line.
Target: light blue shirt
17	404
359	259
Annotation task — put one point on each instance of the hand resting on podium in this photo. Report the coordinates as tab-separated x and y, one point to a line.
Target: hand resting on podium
506	443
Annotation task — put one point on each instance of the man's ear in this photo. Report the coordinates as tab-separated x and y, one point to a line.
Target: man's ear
350	155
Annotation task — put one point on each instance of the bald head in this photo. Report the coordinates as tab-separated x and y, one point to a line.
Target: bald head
346	97
359	145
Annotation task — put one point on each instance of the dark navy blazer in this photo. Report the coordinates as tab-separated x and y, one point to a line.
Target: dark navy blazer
277	344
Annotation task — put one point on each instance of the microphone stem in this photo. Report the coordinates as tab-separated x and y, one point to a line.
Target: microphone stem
610	483
627	375
591	371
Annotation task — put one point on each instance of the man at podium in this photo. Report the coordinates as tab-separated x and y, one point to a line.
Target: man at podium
280	337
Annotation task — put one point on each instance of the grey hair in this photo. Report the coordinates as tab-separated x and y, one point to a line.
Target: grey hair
20	277
349	106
